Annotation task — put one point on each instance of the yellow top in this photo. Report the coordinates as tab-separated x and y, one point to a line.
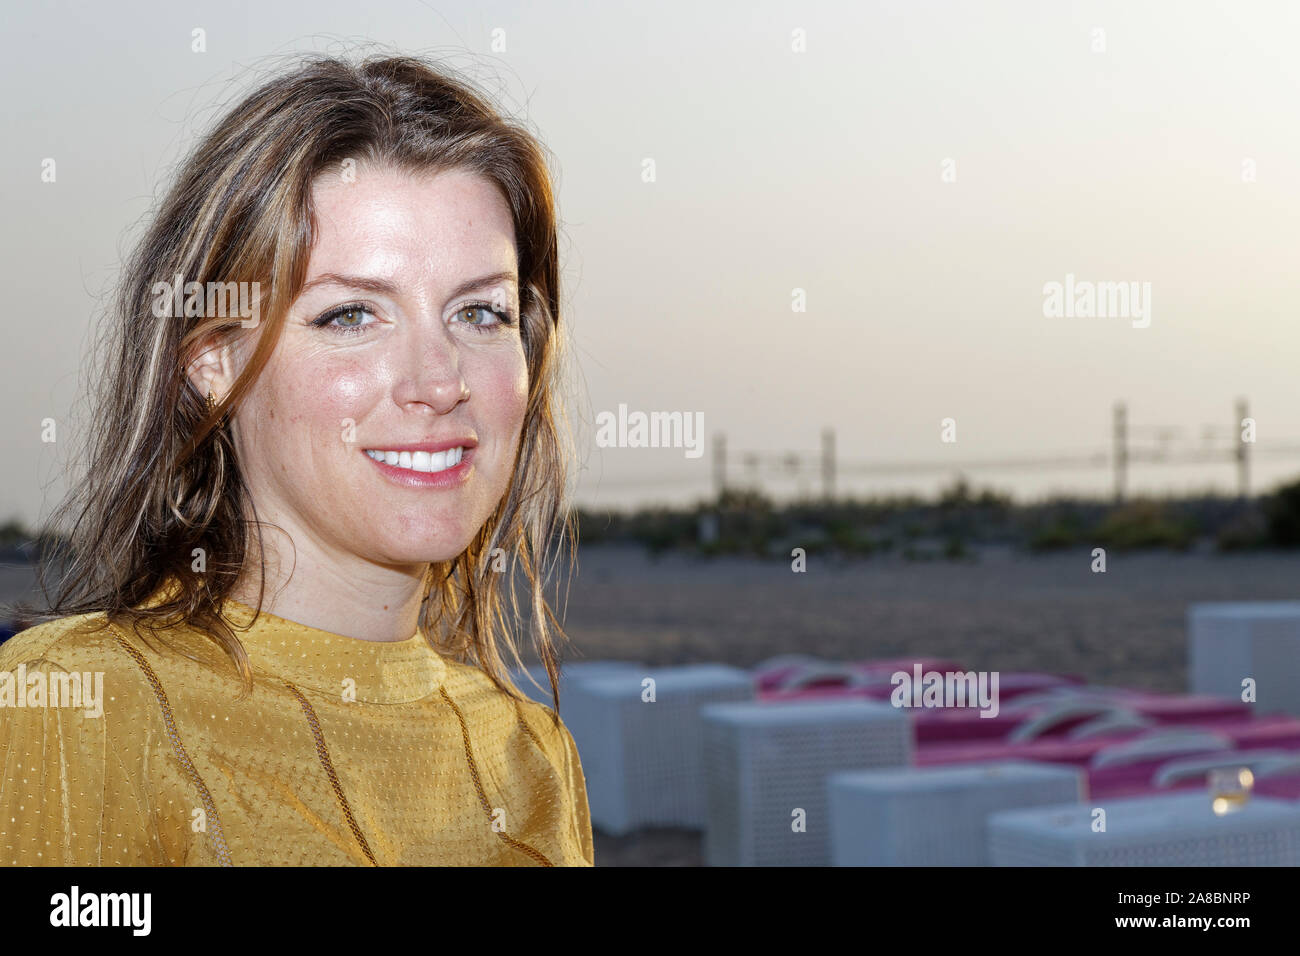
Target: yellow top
347	752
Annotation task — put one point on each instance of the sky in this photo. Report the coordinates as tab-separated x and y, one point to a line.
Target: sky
854	212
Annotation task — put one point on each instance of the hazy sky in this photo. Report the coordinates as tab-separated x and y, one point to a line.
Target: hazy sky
821	170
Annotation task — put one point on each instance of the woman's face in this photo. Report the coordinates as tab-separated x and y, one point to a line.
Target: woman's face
386	423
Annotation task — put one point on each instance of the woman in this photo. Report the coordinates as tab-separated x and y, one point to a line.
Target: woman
289	555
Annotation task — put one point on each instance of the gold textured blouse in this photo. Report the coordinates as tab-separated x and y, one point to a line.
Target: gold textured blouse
347	752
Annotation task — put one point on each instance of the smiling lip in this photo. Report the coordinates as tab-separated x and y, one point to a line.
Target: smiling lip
466	443
409	478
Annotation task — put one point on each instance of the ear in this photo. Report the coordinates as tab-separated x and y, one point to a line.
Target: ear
212	369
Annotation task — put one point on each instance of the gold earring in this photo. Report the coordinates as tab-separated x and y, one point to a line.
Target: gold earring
212	401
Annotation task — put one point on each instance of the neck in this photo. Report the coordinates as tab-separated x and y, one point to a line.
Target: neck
350	597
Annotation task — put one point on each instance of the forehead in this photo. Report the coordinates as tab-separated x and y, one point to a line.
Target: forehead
391	222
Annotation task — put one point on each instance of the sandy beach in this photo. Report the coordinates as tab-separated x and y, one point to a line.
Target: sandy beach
1005	610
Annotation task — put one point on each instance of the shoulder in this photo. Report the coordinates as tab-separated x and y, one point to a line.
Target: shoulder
67	641
471	688
550	731
86	646
70	690
90	639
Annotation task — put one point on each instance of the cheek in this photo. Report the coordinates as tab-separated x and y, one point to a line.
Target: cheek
503	385
300	408
328	393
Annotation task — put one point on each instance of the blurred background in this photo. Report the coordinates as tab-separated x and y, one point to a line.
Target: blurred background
824	236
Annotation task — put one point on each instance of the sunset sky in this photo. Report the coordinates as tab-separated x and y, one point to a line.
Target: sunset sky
920	170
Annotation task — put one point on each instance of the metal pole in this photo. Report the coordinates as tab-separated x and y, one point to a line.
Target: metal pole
1242	451
828	464
1121	449
719	464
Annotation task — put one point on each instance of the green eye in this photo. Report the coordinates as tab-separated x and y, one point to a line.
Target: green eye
483	317
334	319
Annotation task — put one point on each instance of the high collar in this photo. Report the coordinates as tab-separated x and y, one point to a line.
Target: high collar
381	672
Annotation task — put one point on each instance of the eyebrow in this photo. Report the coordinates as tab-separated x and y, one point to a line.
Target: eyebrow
380	286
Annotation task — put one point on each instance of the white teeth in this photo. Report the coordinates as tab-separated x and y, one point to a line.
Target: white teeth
420	460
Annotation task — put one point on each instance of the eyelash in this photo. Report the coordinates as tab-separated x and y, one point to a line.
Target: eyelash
504	319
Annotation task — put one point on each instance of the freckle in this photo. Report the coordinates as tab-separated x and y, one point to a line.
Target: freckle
385	607
271	411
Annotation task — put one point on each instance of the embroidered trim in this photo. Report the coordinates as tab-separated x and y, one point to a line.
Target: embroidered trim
215	833
478	785
519	716
323	753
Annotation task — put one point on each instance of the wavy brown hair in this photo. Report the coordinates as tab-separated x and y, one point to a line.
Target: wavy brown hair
161	478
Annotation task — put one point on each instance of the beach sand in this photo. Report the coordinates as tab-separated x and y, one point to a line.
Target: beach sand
1004	611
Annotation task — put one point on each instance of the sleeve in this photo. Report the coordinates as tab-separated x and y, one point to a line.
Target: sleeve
71	793
577	783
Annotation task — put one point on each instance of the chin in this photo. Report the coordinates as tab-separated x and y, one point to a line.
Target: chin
418	552
420	540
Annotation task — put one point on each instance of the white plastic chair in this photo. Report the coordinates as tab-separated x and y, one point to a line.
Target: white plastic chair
1067	709
1256	761
1170	743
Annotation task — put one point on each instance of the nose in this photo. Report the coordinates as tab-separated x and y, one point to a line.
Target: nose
432	373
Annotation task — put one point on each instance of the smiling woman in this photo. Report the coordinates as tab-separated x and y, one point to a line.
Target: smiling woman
294	552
